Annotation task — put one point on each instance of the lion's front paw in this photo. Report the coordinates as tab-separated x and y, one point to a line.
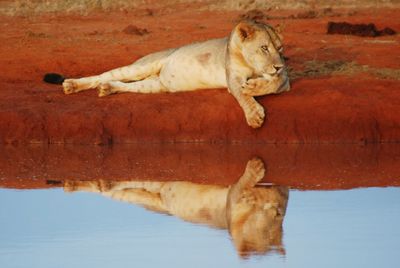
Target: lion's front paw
253	173
105	89
69	86
251	86
255	116
256	168
259	86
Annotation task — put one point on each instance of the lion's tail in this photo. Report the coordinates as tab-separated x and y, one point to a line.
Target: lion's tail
53	78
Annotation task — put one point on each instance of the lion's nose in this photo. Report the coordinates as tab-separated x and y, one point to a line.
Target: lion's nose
278	68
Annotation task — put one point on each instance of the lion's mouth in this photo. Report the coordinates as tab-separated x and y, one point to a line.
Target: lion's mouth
280	71
273	75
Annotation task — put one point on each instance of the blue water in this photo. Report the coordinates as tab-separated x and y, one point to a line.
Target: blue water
50	228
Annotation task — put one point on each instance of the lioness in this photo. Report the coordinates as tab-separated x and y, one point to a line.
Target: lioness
252	213
249	62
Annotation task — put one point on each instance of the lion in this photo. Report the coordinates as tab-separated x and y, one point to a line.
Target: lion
249	63
253	213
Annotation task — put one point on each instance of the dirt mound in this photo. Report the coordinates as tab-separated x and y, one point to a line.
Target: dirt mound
358	29
132	29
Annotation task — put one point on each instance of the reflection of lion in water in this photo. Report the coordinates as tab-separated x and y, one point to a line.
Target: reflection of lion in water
249	63
253	214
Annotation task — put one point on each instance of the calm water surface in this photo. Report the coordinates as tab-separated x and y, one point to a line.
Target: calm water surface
102	223
48	228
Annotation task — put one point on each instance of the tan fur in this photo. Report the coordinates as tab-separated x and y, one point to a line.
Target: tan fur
249	63
253	215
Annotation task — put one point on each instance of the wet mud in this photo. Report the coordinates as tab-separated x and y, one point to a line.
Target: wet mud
317	167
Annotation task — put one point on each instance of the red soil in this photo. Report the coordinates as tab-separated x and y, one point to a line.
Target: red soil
358	107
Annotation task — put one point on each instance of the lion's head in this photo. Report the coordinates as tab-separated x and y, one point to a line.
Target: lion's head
255	220
260	48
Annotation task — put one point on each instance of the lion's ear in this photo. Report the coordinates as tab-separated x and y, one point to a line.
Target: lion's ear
245	30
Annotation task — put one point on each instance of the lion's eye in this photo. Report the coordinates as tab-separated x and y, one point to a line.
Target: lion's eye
265	48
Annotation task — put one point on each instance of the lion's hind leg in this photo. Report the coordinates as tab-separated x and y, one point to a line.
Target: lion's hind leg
148	85
141	69
146	194
76	85
128	73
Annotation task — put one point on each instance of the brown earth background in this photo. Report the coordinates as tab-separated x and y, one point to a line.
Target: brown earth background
345	89
345	96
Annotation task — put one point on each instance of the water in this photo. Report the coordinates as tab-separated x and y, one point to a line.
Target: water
331	224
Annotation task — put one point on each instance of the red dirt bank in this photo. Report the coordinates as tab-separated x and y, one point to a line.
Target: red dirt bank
334	108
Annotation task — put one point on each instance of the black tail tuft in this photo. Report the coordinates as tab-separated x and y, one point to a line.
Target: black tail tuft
53	182
53	78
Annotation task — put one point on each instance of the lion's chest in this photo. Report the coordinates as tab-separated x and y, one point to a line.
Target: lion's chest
196	66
